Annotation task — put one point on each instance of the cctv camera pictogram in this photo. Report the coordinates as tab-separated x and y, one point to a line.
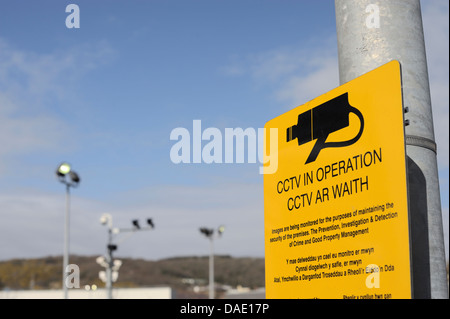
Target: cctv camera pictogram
321	121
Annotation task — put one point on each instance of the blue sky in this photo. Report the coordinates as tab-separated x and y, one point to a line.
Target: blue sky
106	96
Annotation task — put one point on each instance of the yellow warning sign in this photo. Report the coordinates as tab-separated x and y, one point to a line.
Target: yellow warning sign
336	210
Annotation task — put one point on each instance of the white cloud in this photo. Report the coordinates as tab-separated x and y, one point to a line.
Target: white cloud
32	86
34	222
293	75
299	89
25	134
179	211
33	225
22	134
48	75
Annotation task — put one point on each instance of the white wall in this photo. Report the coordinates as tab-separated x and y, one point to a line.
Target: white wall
118	293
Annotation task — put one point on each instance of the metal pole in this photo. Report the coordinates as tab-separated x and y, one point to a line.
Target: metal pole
370	34
211	270
109	260
109	275
66	242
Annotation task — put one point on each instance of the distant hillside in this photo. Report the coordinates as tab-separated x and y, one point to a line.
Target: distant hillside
45	273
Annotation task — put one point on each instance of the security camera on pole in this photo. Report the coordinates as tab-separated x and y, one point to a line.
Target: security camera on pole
209	233
112	266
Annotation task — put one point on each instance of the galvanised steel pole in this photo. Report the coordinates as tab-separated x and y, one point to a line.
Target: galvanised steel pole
211	269
109	260
66	242
371	33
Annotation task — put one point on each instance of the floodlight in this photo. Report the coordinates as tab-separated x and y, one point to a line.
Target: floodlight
63	169
116	265
150	223
74	177
136	223
102	275
101	261
114	276
221	229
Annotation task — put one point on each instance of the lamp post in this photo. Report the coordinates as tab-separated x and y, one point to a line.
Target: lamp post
209	233
62	171
112	266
